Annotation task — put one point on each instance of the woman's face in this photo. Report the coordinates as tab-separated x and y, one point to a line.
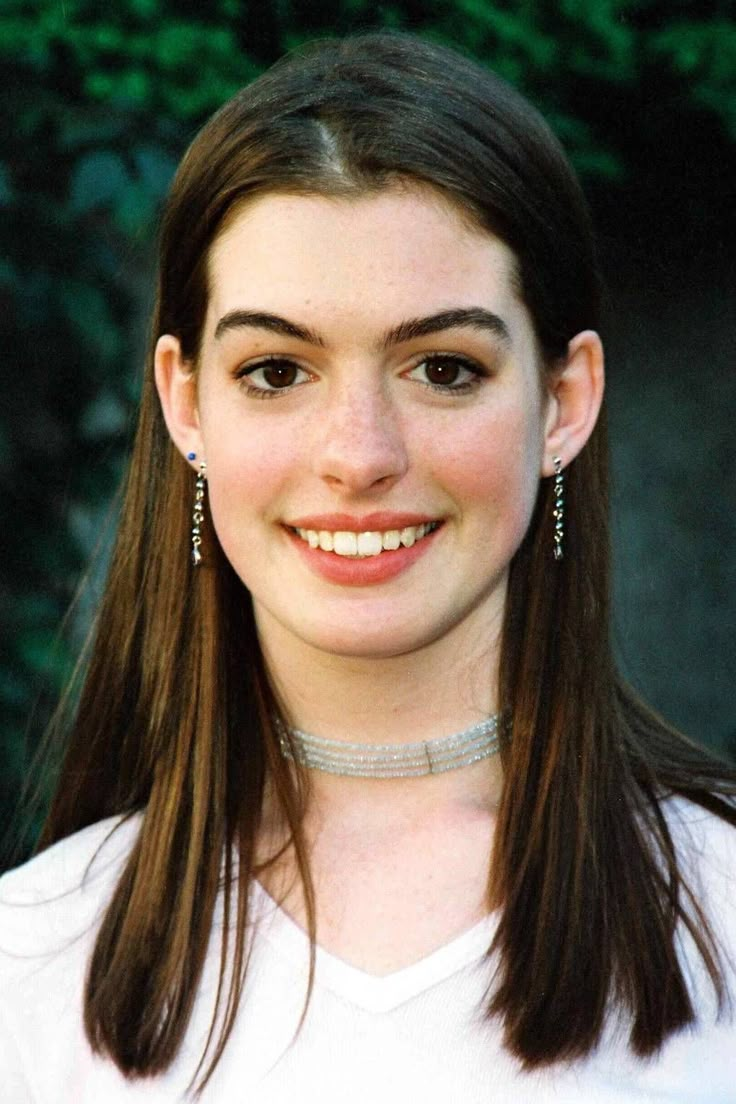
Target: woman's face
368	357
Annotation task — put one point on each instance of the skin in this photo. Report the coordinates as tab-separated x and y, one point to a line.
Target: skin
360	431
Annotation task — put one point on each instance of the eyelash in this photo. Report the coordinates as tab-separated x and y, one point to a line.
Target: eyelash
464	388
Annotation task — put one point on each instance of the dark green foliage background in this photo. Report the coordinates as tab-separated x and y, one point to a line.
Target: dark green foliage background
99	103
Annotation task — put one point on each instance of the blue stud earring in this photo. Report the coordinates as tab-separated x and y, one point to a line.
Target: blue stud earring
191	456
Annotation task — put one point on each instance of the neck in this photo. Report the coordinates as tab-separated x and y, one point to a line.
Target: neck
430	693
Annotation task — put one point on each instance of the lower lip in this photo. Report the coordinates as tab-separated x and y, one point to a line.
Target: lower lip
363	571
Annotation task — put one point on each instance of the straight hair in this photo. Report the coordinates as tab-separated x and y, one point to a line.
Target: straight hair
584	872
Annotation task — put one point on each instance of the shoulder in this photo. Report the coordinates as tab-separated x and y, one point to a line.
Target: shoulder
705	844
70	862
49	916
58	893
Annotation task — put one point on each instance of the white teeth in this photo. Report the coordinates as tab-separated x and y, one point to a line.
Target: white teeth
362	545
346	544
369	544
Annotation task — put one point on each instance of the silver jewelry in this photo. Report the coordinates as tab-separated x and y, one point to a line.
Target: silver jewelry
198	514
559	511
392	760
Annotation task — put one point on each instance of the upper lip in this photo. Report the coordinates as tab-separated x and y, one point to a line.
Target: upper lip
370	523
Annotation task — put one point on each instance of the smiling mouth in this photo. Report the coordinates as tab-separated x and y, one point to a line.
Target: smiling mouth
359	546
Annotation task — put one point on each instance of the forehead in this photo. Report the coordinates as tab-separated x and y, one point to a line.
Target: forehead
402	249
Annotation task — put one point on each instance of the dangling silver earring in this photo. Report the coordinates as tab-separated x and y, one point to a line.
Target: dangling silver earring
198	515
559	511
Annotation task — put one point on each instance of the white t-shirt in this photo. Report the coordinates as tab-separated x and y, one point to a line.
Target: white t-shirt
414	1035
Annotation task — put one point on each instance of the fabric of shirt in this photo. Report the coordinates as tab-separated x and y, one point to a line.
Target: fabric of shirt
418	1034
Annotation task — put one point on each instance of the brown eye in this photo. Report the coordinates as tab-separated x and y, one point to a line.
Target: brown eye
451	375
441	370
271	377
279	374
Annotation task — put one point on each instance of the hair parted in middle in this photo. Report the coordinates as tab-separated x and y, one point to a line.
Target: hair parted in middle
176	713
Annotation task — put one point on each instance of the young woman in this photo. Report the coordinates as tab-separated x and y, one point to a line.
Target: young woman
354	802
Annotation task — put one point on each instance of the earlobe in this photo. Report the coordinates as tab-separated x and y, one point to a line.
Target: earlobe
576	395
177	392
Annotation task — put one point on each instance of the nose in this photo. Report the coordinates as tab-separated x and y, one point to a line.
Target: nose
359	441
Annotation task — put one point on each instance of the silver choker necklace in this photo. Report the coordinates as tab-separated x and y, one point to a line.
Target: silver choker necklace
392	760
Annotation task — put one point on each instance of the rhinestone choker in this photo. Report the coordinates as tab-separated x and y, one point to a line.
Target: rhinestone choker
392	760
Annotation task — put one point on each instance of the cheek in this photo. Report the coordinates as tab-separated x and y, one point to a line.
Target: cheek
245	471
494	470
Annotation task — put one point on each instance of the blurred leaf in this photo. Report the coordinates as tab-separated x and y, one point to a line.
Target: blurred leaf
44	653
6	188
99	178
155	168
705	55
105	416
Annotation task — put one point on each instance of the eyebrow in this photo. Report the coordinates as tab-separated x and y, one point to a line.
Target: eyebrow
474	317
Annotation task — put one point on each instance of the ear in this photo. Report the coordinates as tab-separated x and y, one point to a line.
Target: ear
575	397
177	391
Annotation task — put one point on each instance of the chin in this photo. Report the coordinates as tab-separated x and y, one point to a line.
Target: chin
382	643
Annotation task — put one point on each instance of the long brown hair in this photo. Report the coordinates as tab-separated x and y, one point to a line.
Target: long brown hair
584	869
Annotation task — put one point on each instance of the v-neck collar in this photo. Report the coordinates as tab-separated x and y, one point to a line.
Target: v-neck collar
369	991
